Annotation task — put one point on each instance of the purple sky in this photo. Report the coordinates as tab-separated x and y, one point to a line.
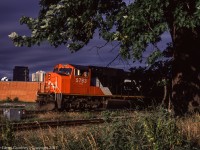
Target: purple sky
45	56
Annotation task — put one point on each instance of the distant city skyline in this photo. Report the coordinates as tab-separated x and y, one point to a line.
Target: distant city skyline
21	73
45	57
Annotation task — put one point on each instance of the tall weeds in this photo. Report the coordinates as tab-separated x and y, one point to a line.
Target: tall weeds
6	134
156	130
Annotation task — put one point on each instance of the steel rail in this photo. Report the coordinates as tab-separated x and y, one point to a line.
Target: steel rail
47	124
68	123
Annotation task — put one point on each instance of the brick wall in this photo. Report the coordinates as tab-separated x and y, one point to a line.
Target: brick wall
25	91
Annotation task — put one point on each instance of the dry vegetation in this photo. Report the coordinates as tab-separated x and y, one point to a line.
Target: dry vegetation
155	130
190	127
66	115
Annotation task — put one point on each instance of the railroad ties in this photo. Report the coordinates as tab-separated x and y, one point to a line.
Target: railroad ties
47	124
23	126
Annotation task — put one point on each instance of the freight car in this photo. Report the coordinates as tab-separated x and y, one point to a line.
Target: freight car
84	87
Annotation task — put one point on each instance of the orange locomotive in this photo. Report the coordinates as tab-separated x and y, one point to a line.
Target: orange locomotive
82	87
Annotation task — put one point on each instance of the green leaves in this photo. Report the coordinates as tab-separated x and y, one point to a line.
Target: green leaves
154	56
138	25
187	14
134	25
68	22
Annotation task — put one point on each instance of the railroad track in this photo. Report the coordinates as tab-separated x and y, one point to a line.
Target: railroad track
47	124
36	112
57	123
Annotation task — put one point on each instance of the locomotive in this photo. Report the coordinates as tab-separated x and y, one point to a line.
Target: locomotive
80	87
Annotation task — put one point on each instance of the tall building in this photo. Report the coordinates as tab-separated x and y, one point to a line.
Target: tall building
38	76
20	73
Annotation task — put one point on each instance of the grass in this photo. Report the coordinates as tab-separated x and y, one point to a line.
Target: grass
65	115
190	127
157	130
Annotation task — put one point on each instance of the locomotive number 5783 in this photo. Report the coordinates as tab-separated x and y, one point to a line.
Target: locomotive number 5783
81	80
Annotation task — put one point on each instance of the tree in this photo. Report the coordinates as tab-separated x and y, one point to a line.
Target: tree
135	26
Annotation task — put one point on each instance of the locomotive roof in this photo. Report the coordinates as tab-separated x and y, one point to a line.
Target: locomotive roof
105	71
81	67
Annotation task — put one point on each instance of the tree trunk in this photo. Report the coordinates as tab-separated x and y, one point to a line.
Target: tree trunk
166	101
186	71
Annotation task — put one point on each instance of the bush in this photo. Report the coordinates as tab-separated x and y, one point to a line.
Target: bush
159	131
16	99
8	100
7	134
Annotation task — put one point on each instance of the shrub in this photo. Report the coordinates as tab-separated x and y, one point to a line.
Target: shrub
159	131
8	100
7	134
16	99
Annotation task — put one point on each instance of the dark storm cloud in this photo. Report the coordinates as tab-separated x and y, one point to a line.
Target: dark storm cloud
10	12
43	57
38	58
18	7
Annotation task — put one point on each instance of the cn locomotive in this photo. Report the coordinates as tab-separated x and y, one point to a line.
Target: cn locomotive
84	87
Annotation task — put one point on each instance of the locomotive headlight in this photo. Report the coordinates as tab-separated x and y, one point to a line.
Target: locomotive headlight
49	76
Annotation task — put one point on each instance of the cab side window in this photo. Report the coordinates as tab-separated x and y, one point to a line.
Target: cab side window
83	73
77	72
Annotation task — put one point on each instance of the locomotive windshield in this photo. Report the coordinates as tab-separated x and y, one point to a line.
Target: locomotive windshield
63	71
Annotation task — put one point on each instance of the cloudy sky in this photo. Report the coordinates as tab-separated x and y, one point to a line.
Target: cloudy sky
44	57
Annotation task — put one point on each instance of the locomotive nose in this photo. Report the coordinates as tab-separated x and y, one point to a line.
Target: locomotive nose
50	82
